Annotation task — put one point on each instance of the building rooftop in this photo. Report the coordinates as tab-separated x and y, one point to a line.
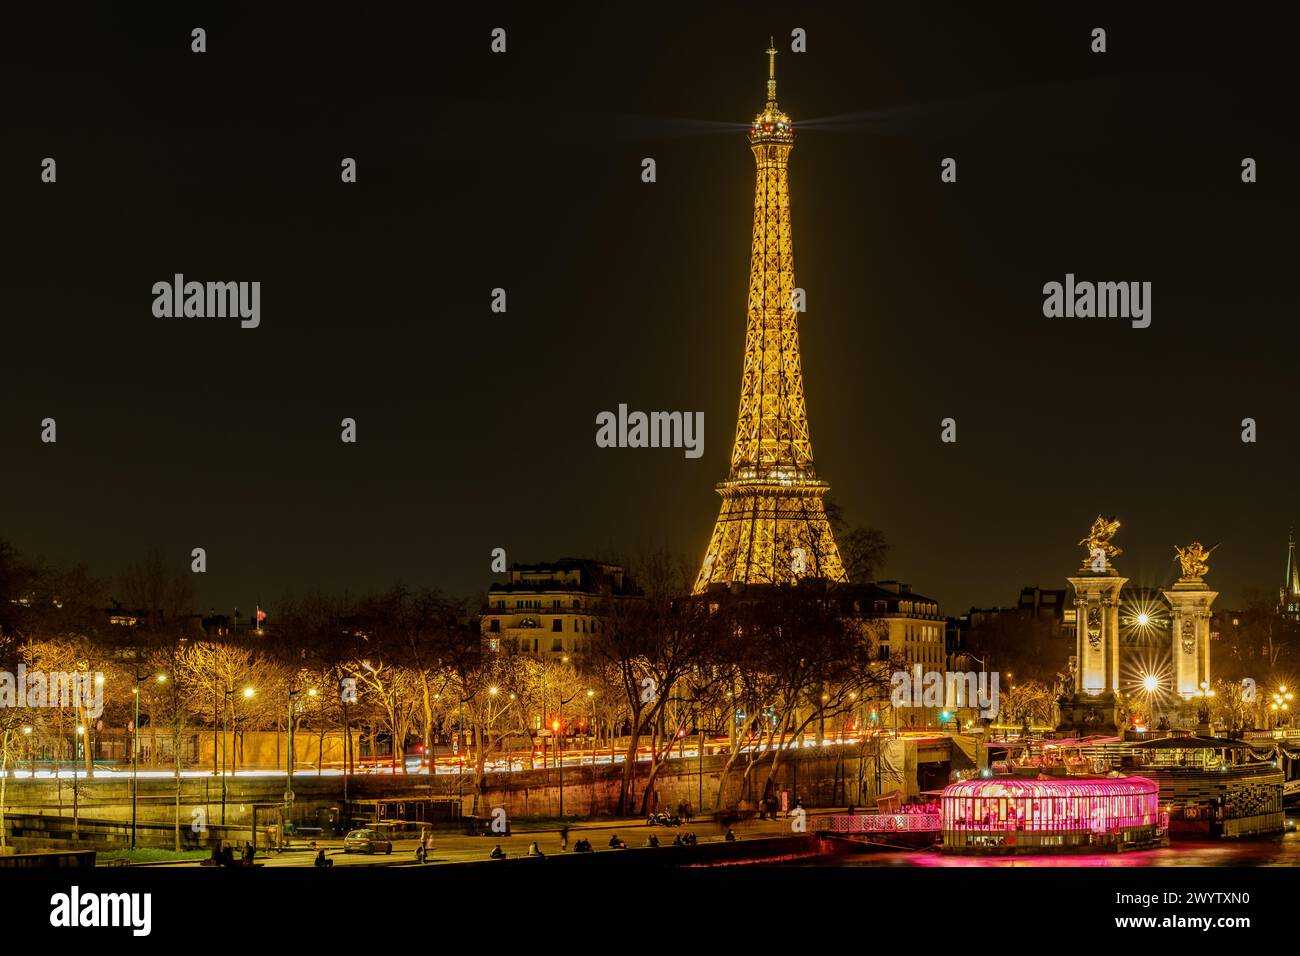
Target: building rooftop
585	575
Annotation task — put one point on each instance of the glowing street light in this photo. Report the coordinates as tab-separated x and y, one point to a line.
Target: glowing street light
1281	700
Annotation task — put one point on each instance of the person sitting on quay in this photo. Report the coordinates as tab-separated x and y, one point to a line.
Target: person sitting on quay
616	844
731	835
582	846
653	841
497	853
320	858
535	850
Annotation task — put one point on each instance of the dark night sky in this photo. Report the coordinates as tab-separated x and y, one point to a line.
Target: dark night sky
522	171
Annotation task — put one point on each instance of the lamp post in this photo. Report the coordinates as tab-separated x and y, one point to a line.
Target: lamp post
559	750
1281	705
289	756
31	749
699	730
556	726
1202	706
591	696
224	711
1150	687
248	693
76	816
135	757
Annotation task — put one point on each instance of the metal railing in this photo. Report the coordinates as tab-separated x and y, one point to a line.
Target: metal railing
886	823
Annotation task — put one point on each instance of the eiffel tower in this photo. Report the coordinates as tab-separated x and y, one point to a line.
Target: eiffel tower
772	528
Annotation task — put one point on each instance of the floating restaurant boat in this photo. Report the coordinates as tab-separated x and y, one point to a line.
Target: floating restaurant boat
1052	814
1211	786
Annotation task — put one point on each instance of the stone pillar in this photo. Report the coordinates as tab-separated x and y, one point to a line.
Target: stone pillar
1096	638
1190	599
1092	707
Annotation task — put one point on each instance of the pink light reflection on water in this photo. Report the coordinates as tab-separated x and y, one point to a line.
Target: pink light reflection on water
1274	851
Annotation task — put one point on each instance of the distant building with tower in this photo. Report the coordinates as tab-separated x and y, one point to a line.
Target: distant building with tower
1288	596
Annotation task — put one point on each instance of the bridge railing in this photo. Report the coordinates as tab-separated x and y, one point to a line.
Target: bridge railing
885	823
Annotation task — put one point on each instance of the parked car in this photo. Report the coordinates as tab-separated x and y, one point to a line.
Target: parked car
367	841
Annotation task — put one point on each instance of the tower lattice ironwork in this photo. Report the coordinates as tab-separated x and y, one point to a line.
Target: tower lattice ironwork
772	528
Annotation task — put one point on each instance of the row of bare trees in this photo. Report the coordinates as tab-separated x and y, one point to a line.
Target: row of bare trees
408	668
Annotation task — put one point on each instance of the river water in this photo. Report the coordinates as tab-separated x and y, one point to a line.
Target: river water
1280	850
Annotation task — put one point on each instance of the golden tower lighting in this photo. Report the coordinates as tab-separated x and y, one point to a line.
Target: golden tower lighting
772	527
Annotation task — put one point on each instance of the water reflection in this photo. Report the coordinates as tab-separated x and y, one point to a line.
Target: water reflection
1282	850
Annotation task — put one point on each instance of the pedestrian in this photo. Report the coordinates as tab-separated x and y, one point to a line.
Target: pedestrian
564	837
690	812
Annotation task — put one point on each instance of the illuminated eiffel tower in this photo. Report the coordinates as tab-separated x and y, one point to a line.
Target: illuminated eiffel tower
772	528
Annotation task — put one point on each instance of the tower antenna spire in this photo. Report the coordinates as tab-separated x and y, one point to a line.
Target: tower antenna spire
771	72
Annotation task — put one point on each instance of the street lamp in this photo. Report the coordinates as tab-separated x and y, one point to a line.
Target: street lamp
591	696
249	692
559	747
76	816
229	694
555	730
135	757
289	755
1150	687
1281	704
